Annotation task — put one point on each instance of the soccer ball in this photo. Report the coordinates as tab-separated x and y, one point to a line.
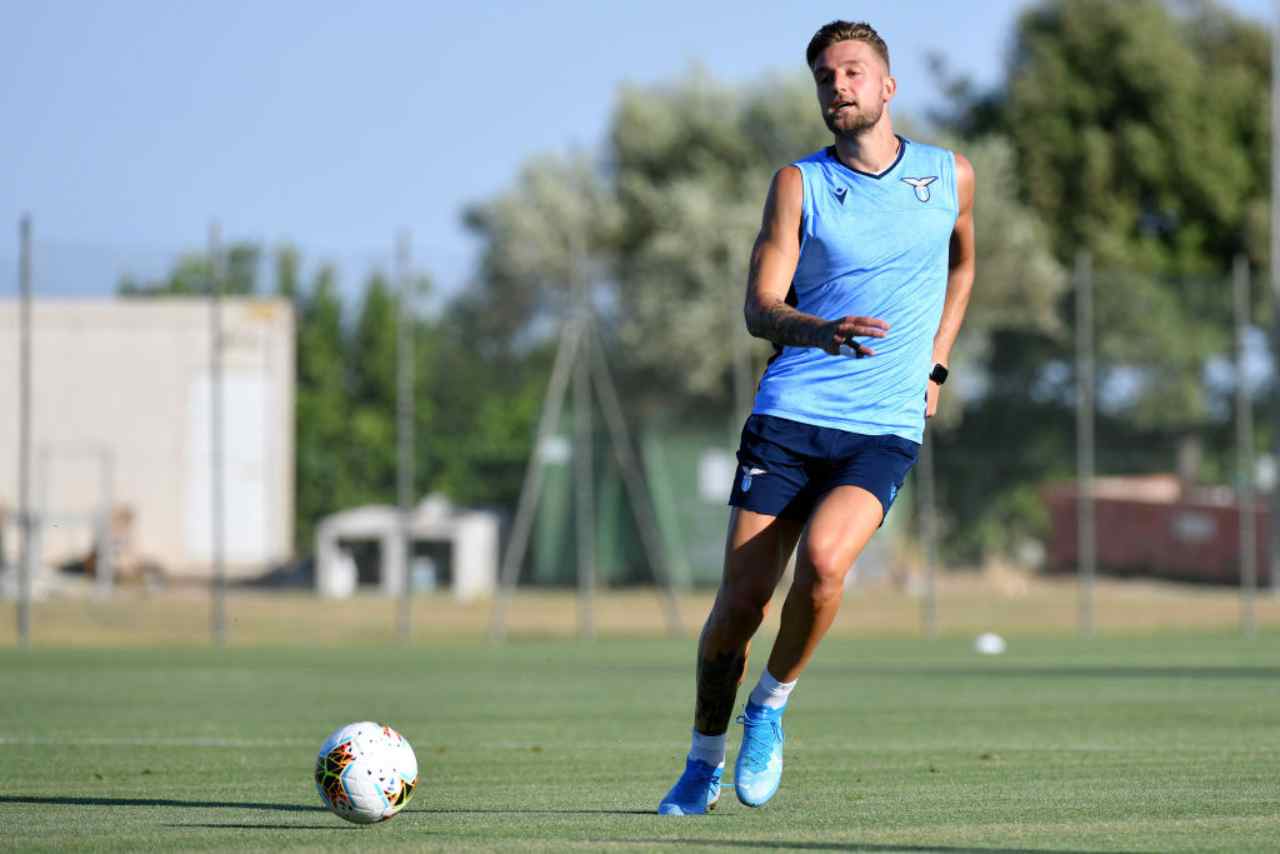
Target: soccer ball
366	772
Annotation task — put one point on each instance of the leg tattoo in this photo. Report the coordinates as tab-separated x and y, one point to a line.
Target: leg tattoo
718	678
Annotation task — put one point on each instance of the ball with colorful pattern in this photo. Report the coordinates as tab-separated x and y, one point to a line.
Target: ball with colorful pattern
366	772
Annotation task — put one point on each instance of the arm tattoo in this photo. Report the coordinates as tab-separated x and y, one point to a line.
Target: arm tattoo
784	325
718	678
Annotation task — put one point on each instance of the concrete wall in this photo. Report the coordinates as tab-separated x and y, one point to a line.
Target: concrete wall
127	381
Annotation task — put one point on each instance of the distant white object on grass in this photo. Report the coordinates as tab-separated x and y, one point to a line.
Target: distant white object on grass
989	643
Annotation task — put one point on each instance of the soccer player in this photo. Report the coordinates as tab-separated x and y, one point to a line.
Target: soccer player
860	277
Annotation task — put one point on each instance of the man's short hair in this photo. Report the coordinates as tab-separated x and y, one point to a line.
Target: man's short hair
846	31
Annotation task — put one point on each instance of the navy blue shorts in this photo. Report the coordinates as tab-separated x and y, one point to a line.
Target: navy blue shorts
785	467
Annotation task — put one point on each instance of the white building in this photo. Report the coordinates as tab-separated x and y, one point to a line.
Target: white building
465	560
121	417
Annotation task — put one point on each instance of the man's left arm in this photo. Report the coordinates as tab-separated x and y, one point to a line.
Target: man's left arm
959	277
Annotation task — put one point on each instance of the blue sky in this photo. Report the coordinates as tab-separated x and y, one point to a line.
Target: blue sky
128	126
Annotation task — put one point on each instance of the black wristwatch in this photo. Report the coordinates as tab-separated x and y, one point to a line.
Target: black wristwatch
939	374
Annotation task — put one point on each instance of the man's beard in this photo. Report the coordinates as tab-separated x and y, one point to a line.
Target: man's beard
862	122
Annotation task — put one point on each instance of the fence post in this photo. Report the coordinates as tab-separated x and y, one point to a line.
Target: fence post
216	509
405	327
1274	573
27	558
1086	544
1244	453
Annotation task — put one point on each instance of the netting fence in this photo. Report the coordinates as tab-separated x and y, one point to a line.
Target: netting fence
190	450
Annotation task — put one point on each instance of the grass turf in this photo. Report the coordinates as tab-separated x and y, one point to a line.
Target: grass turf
1165	743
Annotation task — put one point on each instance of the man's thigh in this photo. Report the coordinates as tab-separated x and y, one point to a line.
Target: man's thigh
757	549
842	524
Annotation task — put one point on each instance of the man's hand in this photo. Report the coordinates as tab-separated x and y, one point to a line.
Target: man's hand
931	398
837	332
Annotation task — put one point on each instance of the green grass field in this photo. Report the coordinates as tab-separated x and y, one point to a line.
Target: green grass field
1165	743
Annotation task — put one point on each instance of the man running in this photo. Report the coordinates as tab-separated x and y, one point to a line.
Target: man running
860	277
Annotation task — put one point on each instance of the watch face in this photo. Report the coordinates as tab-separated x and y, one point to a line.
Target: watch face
938	374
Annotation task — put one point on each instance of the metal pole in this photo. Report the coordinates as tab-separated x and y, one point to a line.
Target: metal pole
633	480
929	536
1274	574
1086	545
216	472
521	527
404	420
583	448
26	558
1244	454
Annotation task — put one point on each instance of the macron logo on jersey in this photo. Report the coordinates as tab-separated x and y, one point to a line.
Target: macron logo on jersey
921	186
840	194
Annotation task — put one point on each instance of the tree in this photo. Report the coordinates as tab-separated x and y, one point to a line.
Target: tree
1139	135
484	403
1128	149
322	471
288	279
190	276
691	163
371	352
555	225
1019	285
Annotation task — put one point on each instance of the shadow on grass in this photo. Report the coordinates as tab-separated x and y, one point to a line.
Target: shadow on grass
234	826
453	811
776	845
230	805
153	802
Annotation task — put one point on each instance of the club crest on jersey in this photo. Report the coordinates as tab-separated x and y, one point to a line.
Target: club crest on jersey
747	474
921	186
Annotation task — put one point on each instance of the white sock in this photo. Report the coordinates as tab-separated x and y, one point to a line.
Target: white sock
770	692
708	748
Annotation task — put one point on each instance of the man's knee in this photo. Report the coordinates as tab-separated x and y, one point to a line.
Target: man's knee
823	576
744	605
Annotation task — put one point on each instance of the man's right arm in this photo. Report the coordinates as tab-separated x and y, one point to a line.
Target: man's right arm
773	264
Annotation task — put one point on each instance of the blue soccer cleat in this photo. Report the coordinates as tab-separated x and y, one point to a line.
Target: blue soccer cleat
695	793
758	771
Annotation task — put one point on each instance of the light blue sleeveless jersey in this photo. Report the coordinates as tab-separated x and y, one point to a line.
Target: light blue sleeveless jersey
872	246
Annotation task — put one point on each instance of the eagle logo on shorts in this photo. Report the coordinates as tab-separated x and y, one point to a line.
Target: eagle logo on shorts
747	474
921	186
